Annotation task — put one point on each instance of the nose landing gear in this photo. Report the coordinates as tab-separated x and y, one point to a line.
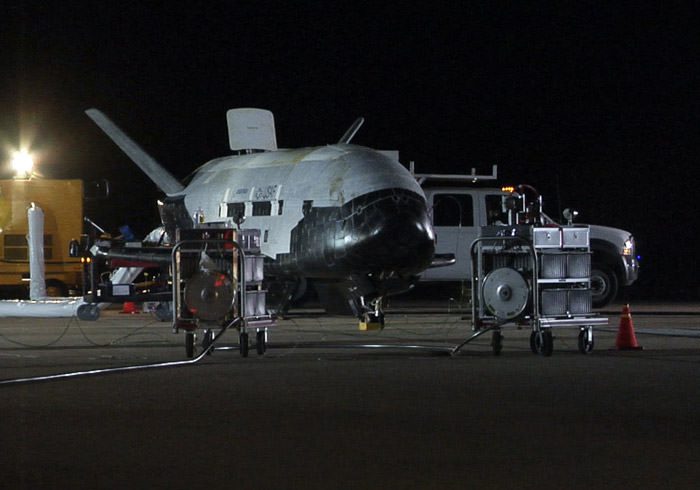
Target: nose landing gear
372	315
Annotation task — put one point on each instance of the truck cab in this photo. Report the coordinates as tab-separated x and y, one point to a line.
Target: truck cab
457	214
459	205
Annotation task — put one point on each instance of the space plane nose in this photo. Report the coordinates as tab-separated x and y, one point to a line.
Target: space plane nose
395	235
407	240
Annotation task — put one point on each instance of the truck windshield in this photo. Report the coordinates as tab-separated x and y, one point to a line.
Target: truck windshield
495	210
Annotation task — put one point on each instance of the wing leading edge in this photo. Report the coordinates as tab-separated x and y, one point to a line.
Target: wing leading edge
161	177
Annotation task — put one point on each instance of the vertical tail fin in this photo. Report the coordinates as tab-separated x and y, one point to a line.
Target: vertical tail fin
161	177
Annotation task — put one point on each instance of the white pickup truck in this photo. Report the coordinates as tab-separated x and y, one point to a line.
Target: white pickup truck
459	206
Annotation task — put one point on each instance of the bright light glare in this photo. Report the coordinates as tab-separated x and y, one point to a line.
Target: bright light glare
22	163
628	248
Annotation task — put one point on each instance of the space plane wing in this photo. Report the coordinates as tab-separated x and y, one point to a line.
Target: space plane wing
161	177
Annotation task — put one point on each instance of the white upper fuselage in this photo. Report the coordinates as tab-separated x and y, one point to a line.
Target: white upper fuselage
330	176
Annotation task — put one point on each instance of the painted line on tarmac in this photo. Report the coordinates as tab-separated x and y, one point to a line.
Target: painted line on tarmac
650	313
662	332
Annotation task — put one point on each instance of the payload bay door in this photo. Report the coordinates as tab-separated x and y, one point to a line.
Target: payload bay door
454	217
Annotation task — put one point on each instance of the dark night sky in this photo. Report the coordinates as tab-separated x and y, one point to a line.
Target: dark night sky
596	104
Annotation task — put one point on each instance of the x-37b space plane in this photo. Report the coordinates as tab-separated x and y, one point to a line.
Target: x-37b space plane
351	219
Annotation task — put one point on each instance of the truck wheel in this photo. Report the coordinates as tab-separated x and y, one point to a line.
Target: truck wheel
603	286
56	289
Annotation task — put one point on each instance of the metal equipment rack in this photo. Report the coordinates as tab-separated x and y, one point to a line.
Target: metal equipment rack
217	280
102	257
212	277
531	275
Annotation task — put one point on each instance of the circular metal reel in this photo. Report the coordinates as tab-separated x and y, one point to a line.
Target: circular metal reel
209	295
505	292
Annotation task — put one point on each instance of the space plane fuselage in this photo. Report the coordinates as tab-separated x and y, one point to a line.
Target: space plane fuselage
322	211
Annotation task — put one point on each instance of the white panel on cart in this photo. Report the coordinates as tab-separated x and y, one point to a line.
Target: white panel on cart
546	237
575	237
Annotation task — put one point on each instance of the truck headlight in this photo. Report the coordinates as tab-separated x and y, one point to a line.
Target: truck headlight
628	247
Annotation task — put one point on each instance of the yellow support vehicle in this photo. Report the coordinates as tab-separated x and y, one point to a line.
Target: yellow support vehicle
62	204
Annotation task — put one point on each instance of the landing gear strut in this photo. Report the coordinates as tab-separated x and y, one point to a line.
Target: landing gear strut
372	317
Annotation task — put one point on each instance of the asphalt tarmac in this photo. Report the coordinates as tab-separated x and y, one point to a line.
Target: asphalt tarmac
316	411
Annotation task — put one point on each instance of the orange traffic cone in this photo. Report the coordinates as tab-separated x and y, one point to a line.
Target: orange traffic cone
626	339
129	308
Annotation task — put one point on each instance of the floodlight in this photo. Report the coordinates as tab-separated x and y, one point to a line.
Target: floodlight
22	163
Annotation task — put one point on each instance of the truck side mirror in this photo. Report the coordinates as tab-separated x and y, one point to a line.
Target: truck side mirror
74	248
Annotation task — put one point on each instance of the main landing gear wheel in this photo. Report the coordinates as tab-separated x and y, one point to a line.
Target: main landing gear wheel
586	342
497	342
542	342
243	344
189	344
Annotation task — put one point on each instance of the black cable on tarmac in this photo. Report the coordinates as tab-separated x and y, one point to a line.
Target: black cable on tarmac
121	369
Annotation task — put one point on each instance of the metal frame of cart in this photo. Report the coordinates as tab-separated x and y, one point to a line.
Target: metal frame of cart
541	339
230	258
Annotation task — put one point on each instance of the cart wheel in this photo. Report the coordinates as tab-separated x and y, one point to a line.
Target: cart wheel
586	342
261	342
207	340
189	344
88	312
542	342
547	343
497	342
164	311
243	344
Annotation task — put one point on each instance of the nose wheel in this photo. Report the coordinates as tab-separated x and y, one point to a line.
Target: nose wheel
372	321
371	316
